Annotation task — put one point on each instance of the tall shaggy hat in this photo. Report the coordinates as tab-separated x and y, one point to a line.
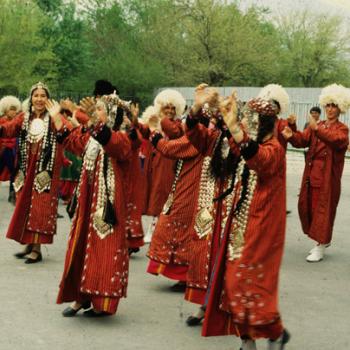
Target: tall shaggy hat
170	96
337	94
276	93
148	112
8	102
104	87
25	105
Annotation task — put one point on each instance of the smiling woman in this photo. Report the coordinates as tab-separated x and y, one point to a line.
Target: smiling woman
36	183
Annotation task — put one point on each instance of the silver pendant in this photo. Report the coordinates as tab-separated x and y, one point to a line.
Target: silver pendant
19	181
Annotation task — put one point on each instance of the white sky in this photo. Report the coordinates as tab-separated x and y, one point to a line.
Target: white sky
334	7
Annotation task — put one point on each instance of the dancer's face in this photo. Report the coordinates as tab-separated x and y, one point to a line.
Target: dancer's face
169	111
39	99
332	111
11	113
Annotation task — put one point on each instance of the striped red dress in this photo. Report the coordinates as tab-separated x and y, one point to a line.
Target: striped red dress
205	246
159	170
244	292
35	215
96	269
171	244
8	151
135	192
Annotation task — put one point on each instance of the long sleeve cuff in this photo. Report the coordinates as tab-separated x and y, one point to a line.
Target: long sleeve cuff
132	134
62	134
249	149
155	137
101	133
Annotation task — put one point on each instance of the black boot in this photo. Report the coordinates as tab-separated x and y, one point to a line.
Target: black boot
70	312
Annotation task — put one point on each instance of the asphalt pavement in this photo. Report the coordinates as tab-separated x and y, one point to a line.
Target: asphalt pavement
314	298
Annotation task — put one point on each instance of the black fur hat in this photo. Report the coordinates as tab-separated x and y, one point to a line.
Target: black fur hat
103	87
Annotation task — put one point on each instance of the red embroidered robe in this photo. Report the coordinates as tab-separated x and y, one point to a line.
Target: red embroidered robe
171	244
97	269
35	215
6	143
243	297
159	170
205	249
135	192
321	182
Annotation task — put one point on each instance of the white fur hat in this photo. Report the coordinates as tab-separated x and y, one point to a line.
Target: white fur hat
170	96
25	105
9	101
337	94
148	112
275	92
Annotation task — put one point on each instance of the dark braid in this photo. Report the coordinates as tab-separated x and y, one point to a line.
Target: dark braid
48	149
231	188
220	167
245	178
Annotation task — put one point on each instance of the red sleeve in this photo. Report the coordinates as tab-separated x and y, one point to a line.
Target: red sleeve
336	138
81	117
144	130
199	137
118	146
293	127
13	127
136	140
234	147
268	159
180	148
76	141
172	128
65	162
301	139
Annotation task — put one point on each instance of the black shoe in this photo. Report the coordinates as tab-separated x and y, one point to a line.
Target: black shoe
288	212
59	216
133	250
179	287
26	251
12	197
283	340
37	259
93	313
70	312
194	321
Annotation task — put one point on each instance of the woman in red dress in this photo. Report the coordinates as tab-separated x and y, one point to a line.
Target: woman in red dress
243	298
40	159
97	260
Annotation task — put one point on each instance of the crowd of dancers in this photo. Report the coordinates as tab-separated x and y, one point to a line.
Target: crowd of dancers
205	185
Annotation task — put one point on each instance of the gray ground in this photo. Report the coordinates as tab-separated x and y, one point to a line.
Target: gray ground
314	298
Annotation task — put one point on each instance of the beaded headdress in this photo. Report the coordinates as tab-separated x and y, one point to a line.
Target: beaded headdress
39	85
252	110
275	92
263	107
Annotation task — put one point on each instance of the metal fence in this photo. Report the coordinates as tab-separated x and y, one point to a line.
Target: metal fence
301	100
